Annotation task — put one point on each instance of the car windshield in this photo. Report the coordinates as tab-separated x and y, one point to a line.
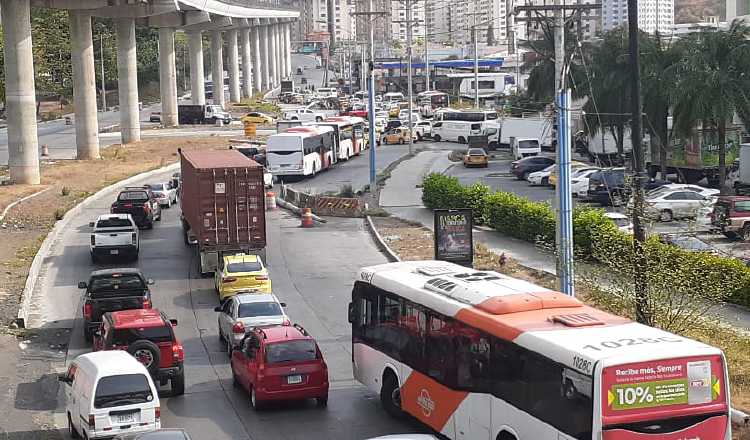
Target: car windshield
244	266
114	222
255	309
288	351
116	282
133	195
122	389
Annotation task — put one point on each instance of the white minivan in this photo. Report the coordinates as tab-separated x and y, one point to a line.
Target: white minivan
455	131
109	393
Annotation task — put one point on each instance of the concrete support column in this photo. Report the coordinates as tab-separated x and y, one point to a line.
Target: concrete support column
234	66
257	68
127	81
197	77
247	74
20	93
279	55
84	85
273	56
288	47
217	68
167	78
265	56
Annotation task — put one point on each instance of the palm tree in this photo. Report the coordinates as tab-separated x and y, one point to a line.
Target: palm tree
713	83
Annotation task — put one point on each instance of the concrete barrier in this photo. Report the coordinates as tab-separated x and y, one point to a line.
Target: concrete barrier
338	206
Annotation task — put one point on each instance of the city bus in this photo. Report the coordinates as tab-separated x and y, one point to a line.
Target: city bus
432	100
349	133
467	115
478	355
300	151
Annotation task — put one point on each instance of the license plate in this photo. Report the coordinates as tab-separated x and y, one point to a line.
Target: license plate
114	252
294	379
125	418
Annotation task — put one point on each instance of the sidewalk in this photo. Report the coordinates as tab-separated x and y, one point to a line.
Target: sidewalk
402	198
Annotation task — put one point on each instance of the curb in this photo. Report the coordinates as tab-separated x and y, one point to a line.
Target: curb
379	242
52	236
22	199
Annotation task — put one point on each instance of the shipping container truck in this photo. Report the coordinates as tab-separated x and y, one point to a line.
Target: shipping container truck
202	114
223	205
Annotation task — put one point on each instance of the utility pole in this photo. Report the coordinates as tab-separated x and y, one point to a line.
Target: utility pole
409	73
639	173
476	63
426	55
331	26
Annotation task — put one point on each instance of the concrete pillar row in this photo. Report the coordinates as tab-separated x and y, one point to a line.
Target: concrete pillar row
217	68
288	48
247	74
127	80
273	56
279	55
167	77
234	66
84	85
265	58
20	93
257	68
197	76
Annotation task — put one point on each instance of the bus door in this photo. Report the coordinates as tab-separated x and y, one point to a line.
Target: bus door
358	138
473	373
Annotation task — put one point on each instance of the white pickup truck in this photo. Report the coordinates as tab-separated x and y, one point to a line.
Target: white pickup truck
304	115
114	235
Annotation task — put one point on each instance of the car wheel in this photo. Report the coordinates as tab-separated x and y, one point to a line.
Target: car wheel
318	119
322	402
419	136
525	175
256	404
390	396
745	233
436	138
545	181
177	384
147	353
666	216
72	429
401	141
230	349
461	140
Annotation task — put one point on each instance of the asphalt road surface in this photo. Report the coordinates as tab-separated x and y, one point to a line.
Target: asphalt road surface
315	285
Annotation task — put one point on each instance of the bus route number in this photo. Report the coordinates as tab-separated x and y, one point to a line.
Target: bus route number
626	342
582	364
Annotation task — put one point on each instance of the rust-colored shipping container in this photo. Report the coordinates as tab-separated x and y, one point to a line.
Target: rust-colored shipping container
223	204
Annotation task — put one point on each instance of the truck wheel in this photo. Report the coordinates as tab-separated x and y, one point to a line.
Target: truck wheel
318	119
461	140
177	384
436	138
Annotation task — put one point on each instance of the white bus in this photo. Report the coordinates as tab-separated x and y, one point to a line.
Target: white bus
467	115
393	97
349	135
300	151
478	355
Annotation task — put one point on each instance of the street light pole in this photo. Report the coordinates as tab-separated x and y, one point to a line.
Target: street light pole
409	71
426	56
476	63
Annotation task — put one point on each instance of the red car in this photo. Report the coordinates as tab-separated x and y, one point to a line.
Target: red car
280	363
148	335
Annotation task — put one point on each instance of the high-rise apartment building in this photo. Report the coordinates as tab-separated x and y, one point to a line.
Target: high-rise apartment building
451	21
344	21
738	9
398	20
381	23
653	15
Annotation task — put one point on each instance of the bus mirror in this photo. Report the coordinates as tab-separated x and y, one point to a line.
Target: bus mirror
351	313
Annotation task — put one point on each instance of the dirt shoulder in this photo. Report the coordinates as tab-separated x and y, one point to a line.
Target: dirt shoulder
412	241
27	223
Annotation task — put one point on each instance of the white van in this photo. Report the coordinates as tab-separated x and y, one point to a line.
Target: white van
455	131
523	147
393	97
109	393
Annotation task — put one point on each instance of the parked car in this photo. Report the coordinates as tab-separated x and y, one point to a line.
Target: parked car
159	434
245	311
148	335
688	243
706	192
399	135
423	129
579	182
140	203
258	118
476	157
108	392
280	363
154	117
731	216
522	168
241	272
607	187
541	178
574	166
668	205
164	193
114	235
622	221
109	290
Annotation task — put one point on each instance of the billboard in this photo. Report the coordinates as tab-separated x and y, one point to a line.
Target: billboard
453	236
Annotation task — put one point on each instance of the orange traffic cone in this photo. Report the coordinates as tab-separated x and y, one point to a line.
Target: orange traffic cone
307	218
270	201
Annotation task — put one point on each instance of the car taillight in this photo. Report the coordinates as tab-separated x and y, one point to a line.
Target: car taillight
92	421
93	240
228	280
88	310
147	207
261	277
157	412
178	353
238	328
146	302
286	322
133	238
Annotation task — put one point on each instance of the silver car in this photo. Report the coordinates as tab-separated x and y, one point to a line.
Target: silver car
245	311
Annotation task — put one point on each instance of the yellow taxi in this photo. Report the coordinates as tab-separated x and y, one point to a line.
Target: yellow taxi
241	272
573	167
394	111
258	118
398	135
476	157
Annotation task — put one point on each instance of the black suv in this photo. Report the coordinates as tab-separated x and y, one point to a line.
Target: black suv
522	168
609	187
140	203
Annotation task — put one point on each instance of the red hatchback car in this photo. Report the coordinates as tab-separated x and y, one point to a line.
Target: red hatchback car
280	363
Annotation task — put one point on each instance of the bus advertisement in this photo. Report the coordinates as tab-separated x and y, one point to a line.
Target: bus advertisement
300	151
478	355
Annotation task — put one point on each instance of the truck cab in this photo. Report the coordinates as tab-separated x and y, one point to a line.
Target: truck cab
215	113
523	147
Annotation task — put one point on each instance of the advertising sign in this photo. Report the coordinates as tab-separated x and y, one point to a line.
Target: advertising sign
453	236
661	388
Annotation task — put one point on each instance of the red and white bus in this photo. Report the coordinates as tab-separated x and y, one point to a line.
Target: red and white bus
481	356
350	135
300	151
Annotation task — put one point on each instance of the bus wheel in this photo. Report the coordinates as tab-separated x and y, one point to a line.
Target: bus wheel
390	397
505	435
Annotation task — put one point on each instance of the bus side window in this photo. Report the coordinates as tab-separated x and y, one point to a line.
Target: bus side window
440	351
414	326
506	371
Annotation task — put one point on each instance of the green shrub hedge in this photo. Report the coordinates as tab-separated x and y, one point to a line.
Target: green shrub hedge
595	237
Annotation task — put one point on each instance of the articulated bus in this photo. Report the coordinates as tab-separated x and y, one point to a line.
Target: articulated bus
300	151
349	132
477	355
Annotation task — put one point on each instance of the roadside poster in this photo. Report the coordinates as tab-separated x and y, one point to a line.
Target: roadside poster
453	236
